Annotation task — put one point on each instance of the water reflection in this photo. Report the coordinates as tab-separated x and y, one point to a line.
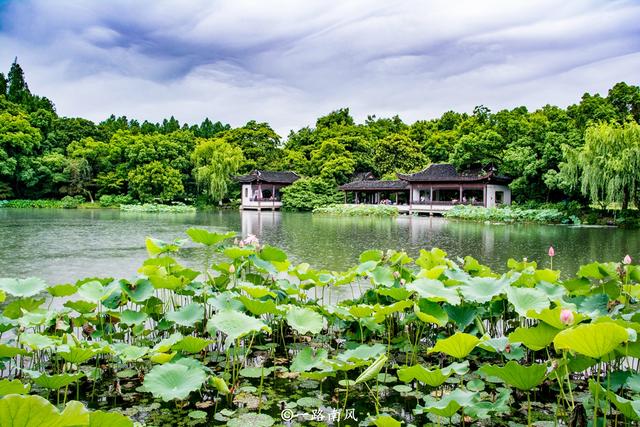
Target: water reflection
65	245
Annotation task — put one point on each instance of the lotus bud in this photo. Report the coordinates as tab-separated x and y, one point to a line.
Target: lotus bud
552	252
566	317
396	274
627	260
232	269
402	282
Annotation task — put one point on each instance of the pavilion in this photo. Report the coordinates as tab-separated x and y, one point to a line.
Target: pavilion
261	189
435	189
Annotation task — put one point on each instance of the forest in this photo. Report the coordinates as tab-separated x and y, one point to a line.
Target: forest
588	152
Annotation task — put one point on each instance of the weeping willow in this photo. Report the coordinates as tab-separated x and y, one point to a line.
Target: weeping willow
215	162
607	168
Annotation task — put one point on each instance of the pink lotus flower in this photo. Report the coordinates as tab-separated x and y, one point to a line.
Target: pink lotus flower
232	269
251	239
552	252
627	260
566	317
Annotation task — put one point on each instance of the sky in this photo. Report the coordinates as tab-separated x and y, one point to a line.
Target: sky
289	62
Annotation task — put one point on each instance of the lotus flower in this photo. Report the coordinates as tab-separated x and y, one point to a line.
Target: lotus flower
566	317
232	269
251	239
552	252
627	260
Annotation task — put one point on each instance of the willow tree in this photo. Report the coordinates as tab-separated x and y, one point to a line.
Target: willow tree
607	168
215	162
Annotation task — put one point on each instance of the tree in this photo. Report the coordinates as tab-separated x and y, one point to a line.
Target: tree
477	149
79	177
626	101
19	142
332	162
17	90
3	85
607	167
398	152
155	181
307	194
215	161
259	144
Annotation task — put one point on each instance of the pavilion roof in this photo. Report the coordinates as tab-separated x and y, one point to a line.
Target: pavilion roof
445	172
375	185
280	177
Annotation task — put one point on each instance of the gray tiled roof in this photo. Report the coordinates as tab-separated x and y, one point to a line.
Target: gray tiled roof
445	172
283	177
376	185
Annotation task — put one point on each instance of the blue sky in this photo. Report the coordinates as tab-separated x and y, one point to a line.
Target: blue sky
288	62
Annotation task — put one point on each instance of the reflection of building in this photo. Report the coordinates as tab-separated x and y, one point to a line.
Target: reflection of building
253	222
435	189
261	189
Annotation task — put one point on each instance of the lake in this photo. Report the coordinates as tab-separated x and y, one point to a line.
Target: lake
66	245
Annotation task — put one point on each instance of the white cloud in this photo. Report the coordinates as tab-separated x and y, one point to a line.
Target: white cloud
288	62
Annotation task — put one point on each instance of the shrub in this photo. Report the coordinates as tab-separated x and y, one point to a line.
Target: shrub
508	214
108	201
154	207
306	194
357	210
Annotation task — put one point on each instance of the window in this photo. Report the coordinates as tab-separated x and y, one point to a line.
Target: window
499	197
246	192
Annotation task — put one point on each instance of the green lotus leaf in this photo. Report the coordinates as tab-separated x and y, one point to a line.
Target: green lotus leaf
304	320
235	324
360	311
256	372
307	360
16	308
269	253
9	351
434	290
527	299
77	355
459	345
173	381
225	301
94	291
522	377
156	247
236	252
386	421
167	282
191	344
204	237
82	307
396	307
398	294
382	275
256	291
187	315
482	289
430	312
55	382
13	387
252	419
449	404
371	255
433	378
551	316
108	419
132	318
138	292
593	340
22	287
362	353
35	411
219	385
64	290
3	296
167	343
373	369
535	338
259	307
129	353
36	341
629	408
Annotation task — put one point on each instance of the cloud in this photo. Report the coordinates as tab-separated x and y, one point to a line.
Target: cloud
288	62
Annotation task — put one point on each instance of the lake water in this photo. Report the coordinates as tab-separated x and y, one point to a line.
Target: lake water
67	245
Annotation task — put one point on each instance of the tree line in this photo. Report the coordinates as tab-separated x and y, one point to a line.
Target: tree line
589	151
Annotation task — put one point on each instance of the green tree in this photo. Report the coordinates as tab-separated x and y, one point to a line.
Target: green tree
79	178
17	89
307	194
607	167
155	181
332	162
3	85
215	161
398	152
625	99
259	144
19	142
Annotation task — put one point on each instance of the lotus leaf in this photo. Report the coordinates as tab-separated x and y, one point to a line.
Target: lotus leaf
131	318
398	294
449	404
527	299
524	378
139	291
269	253
37	341
259	307
433	378
167	343
551	316
16	308
234	324
256	291
129	353
253	420
430	312
434	290
483	289
187	315
362	352
191	344
77	355
304	320
386	421
64	290
593	340
22	287
202	236
382	275
35	411
9	351
235	252
306	360
254	372
173	381
220	385
55	382
459	345
13	387
535	338
108	419
371	255
373	369
82	307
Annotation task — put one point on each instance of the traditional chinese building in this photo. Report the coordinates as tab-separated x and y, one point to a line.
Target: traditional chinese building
261	189
435	189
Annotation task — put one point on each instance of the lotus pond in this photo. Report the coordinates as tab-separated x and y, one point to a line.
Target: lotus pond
251	338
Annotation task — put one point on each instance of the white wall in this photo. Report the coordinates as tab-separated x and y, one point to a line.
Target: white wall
246	193
491	195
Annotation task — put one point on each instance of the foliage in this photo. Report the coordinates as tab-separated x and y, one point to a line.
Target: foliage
154	207
215	162
507	214
155	182
357	210
307	194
